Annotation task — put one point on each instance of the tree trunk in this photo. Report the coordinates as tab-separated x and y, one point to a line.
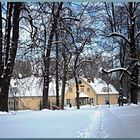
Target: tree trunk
45	86
113	16
134	85
122	59
76	81
8	30
64	82
48	52
7	72
4	94
133	55
57	77
1	36
77	92
47	62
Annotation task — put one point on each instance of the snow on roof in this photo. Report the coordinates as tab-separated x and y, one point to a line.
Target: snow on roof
31	86
83	95
100	85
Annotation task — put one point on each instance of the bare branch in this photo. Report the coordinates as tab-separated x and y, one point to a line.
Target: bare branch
88	60
56	42
25	29
138	86
73	18
115	70
121	76
4	19
137	35
119	35
71	34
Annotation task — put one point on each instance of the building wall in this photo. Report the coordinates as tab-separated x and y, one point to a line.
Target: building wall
101	99
83	87
33	103
88	90
24	103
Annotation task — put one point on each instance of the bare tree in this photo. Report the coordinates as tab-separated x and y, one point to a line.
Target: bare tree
56	8
131	38
11	50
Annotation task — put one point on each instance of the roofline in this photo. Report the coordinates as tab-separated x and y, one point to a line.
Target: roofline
28	96
100	93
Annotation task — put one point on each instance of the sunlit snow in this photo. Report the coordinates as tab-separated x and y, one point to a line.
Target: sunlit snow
88	122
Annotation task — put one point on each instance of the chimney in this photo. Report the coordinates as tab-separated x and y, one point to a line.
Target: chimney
88	80
92	79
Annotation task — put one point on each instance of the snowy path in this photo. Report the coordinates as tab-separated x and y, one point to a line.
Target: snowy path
121	122
117	122
94	130
94	125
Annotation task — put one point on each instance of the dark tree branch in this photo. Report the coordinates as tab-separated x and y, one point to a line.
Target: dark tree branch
115	70
72	18
119	35
137	35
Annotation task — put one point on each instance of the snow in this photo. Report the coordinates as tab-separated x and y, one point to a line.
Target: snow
1	113
115	70
83	95
20	75
88	122
99	84
31	86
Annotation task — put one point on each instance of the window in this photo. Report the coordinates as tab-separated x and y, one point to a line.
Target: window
68	101
91	100
89	80
81	85
106	89
11	108
106	99
88	89
82	89
79	82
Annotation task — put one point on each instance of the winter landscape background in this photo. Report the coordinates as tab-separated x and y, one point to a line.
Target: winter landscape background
59	41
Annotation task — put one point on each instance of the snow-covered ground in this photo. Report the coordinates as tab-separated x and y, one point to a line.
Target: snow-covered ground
88	122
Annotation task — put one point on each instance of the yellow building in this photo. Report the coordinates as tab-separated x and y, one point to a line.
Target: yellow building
27	93
95	92
28	102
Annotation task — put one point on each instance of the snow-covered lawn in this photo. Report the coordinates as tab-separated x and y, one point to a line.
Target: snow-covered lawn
88	122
